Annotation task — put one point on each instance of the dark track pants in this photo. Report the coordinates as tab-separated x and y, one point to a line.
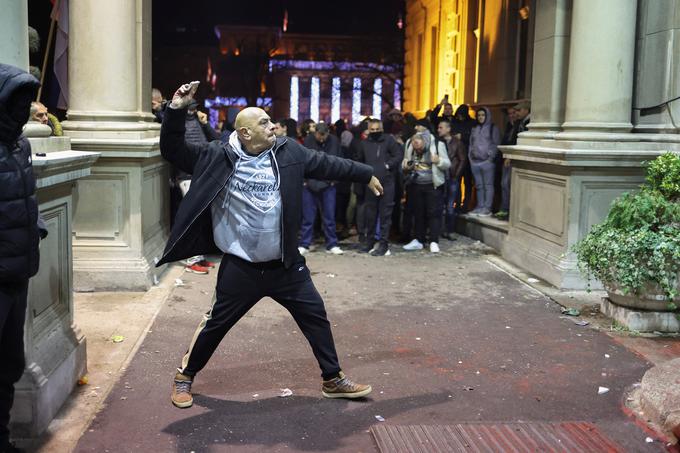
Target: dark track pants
379	208
12	317
240	285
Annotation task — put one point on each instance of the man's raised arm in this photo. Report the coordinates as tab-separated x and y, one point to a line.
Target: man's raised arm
174	148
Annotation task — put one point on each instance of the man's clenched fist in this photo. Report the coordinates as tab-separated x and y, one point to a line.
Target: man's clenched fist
184	95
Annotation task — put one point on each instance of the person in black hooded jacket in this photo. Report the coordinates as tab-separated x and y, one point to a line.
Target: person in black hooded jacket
20	232
384	154
461	127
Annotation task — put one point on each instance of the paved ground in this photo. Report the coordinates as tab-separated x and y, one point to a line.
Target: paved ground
443	339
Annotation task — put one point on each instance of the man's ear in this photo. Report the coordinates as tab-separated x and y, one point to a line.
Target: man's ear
244	132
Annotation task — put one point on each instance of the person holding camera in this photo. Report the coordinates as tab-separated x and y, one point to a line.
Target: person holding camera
425	164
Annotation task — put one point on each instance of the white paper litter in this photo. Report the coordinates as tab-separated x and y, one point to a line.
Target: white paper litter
285	393
179	282
256	395
602	390
533	280
649	440
606	356
380	418
330	275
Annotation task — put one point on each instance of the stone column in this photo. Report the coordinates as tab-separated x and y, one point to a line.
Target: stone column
121	218
102	58
14	33
549	76
657	68
601	66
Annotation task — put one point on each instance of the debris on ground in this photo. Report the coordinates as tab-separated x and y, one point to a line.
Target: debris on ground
179	282
533	280
602	390
571	311
285	393
83	380
117	338
380	418
649	440
330	275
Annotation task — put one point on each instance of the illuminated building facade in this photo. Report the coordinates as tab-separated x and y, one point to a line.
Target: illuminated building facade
322	77
601	76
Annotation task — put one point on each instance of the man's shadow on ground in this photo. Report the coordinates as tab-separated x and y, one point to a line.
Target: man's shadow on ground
299	422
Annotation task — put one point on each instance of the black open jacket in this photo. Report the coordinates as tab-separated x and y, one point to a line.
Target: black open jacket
212	165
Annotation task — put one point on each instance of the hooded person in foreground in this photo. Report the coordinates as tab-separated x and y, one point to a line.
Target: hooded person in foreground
245	201
20	232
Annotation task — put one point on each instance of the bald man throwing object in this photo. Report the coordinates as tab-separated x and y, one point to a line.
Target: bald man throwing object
245	201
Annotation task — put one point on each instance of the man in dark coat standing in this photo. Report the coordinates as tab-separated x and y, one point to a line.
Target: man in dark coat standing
320	195
20	232
382	152
246	201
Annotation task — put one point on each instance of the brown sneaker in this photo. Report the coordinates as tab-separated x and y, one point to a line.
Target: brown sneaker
181	391
343	387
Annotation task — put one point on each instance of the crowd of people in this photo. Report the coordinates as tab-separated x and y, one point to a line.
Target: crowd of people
432	169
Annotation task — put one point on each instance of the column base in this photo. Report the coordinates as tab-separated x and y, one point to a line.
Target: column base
586	126
122	211
116	274
39	397
560	189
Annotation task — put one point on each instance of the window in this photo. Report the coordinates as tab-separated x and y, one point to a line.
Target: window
294	97
377	98
356	100
335	99
314	100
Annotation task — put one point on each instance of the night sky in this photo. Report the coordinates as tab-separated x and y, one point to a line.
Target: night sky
182	22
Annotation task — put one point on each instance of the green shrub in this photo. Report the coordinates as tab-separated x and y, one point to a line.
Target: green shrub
663	175
639	242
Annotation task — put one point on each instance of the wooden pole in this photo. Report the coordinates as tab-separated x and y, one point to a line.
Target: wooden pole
55	9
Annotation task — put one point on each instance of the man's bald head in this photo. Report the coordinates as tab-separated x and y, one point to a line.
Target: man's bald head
255	129
248	116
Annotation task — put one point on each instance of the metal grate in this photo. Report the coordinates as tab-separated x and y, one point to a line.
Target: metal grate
565	437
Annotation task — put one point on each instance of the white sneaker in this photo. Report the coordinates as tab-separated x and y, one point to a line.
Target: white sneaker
414	245
434	247
335	250
303	250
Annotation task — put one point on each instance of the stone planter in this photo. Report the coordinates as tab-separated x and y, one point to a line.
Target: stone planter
647	312
651	299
